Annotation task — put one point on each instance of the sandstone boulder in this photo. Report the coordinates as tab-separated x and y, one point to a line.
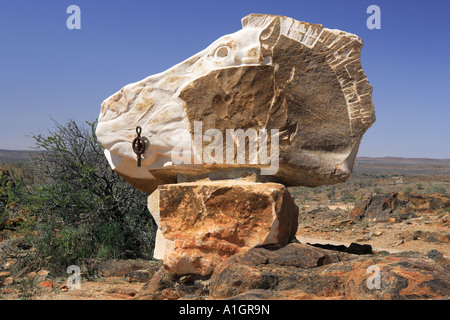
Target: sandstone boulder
300	86
200	224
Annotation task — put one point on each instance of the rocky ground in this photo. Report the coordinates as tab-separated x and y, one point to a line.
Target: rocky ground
385	246
392	222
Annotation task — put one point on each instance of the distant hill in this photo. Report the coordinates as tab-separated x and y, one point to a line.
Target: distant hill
405	166
398	160
14	156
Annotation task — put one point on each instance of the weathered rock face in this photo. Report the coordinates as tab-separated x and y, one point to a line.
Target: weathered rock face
299	271
304	272
200	224
276	73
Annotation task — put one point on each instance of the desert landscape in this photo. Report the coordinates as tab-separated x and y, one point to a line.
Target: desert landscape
399	207
259	151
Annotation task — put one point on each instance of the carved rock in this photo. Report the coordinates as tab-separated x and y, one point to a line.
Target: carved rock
302	79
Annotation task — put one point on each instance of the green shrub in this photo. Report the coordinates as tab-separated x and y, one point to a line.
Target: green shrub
436	189
348	197
83	209
377	190
12	190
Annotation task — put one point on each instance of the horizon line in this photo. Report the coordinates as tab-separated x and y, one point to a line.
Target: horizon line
357	157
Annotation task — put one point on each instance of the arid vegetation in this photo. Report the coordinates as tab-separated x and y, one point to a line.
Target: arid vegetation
66	205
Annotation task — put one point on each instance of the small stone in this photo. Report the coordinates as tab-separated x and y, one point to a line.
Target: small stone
169	294
140	276
63	287
48	284
8	281
417	234
435	255
4	275
9	264
186	278
43	273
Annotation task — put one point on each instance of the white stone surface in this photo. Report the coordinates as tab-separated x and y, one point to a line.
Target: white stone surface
154	103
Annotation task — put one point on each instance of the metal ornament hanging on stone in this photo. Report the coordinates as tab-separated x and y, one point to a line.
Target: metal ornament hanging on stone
139	145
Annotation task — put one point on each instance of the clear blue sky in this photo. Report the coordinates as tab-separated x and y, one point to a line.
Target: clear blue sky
48	71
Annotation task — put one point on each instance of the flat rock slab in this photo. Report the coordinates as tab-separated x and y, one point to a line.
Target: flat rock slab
200	224
300	271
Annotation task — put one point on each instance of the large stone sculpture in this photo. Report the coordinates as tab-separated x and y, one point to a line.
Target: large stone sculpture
275	73
299	87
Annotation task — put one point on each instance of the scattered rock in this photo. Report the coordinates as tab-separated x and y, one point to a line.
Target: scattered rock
439	258
63	287
427	203
379	207
140	275
8	264
407	215
48	284
3	276
169	294
396	207
167	285
427	236
8	281
186	278
160	281
258	294
122	291
394	220
127	268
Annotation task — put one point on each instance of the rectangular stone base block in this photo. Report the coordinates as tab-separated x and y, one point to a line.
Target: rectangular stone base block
202	223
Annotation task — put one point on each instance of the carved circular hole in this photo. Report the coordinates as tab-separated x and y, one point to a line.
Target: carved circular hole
222	52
